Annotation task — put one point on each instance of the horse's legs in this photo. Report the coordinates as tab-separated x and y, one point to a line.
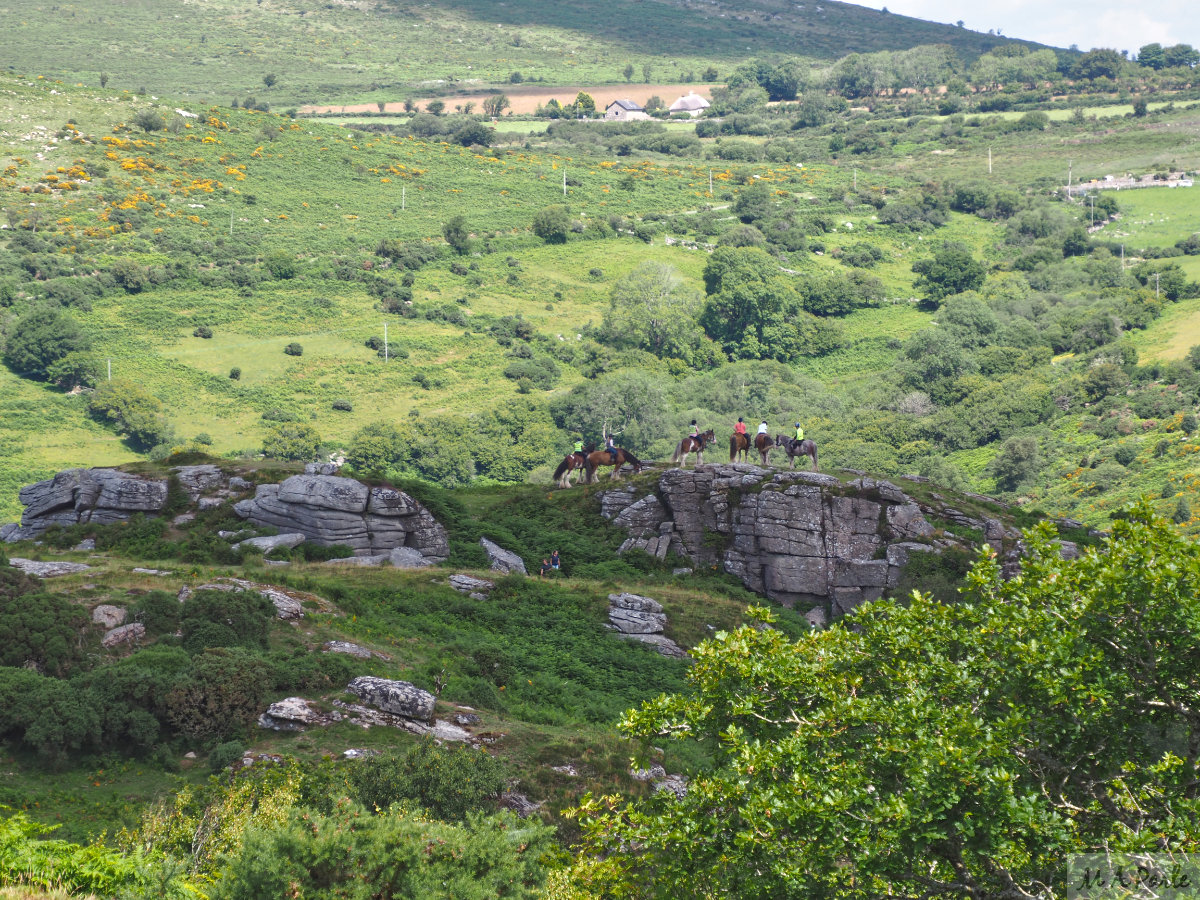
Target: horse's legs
699	457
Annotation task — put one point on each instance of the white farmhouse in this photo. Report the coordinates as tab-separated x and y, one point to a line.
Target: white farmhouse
691	104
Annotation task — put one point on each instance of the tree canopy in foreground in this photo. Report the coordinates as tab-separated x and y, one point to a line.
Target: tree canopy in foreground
922	749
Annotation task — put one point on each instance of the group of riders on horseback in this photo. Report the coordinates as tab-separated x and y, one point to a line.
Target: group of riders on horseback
588	459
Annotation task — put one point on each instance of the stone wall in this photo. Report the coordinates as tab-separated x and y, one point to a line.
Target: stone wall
804	539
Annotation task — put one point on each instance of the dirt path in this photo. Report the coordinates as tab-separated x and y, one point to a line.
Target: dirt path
525	98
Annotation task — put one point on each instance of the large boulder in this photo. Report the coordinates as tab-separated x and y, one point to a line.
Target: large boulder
271	542
397	697
328	509
108	616
47	569
501	560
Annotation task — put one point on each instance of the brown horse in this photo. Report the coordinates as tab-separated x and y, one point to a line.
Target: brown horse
739	445
763	444
794	448
695	445
573	462
602	458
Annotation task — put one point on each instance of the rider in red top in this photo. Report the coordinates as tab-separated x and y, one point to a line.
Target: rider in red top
740	427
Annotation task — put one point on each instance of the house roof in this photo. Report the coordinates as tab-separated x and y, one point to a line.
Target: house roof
627	105
690	101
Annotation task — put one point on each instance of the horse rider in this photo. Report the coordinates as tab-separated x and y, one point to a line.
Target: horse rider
740	427
695	434
762	429
799	433
578	450
611	448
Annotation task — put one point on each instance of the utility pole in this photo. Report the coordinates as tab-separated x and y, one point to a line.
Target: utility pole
856	179
385	344
231	223
710	182
564	181
1156	274
110	368
1122	257
1070	163
989	160
403	196
1092	197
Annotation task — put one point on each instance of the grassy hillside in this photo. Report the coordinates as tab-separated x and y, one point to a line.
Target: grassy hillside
381	51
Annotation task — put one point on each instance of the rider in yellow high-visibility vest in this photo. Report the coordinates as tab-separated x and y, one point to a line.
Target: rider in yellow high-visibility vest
799	432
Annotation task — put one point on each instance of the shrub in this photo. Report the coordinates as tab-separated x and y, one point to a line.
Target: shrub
281	264
1125	453
343	405
292	440
224	755
293	349
235	374
159	611
223	693
450	782
1183	511
202	331
552	223
226	619
38	628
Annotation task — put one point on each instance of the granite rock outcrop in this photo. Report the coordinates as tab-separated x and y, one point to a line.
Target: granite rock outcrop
805	539
329	509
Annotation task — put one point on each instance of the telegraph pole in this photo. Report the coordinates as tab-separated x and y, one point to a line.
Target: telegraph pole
1092	198
1156	274
385	344
989	160
710	182
564	181
110	368
403	196
231	222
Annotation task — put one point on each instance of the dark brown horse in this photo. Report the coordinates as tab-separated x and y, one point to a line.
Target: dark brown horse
602	458
695	445
572	462
794	448
739	445
763	444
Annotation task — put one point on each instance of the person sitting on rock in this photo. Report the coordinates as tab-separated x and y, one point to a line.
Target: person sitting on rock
740	427
545	569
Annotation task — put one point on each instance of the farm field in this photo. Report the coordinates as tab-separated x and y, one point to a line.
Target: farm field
524	99
1157	216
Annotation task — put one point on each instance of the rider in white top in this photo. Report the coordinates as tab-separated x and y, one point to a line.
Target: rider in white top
762	429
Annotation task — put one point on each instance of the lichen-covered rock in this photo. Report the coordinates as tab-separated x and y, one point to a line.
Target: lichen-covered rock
501	560
197	480
271	542
108	616
47	568
290	714
397	697
633	614
347	648
407	558
328	509
125	634
468	584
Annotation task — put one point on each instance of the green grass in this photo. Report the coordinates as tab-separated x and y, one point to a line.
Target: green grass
1155	216
1175	333
350	53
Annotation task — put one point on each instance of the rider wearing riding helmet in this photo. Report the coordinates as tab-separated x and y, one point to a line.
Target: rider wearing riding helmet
578	449
695	430
799	432
762	429
611	448
740	427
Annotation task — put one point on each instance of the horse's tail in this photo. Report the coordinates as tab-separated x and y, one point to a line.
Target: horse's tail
733	448
632	460
813	444
678	455
562	467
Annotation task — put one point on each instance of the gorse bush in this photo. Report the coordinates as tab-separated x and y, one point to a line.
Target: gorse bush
451	782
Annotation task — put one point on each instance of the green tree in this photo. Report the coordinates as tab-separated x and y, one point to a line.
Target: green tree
1041	716
223	693
630	402
450	782
628	71
41	338
1016	463
585	105
132	411
292	440
270	79
653	309
551	224
495	105
1151	56
374	449
1099	63
458	235
951	270
41	629
1183	511
435	107
1181	55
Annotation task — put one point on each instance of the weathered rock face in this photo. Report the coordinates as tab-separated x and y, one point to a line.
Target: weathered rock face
397	697
638	618
501	560
804	539
328	509
87	495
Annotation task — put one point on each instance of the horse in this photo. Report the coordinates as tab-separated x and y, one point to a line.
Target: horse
795	448
763	444
739	444
693	445
601	458
570	463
